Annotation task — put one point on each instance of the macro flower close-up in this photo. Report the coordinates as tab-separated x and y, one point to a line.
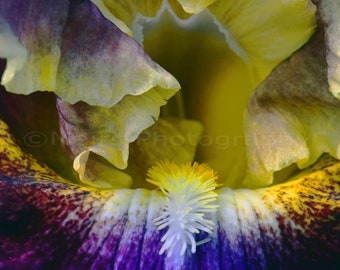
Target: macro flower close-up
169	134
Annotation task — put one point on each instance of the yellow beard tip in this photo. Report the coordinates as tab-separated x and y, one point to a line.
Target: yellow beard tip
188	201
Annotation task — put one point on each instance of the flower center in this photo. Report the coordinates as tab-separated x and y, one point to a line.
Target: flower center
216	84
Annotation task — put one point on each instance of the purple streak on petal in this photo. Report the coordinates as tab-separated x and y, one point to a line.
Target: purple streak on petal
129	250
106	255
51	225
251	234
101	242
149	258
231	250
232	254
208	254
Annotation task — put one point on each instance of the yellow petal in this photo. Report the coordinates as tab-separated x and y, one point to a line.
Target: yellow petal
108	131
292	117
128	10
96	172
330	11
195	6
265	32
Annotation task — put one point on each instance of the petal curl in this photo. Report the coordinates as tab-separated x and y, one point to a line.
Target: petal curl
70	48
128	10
108	131
292	117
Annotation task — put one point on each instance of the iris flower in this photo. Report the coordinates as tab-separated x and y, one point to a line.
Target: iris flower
169	134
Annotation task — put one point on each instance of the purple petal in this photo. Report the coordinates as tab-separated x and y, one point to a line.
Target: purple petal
69	47
50	224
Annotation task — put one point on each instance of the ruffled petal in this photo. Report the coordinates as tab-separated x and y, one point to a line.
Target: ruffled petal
129	10
70	48
108	131
260	31
292	117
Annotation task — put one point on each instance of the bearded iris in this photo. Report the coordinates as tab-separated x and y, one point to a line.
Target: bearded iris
108	95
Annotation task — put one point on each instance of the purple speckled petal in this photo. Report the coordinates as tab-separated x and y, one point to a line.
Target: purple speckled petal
53	224
70	48
46	224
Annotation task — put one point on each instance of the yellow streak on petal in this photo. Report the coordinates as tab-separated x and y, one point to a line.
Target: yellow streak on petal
47	73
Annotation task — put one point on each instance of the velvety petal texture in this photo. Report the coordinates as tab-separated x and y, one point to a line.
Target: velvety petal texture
260	31
330	11
70	48
292	117
50	224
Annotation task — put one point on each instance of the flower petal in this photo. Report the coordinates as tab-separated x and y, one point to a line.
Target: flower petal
195	6
16	163
329	11
96	172
33	119
292	117
128	10
49	224
108	131
70	48
108	15
292	225
260	32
